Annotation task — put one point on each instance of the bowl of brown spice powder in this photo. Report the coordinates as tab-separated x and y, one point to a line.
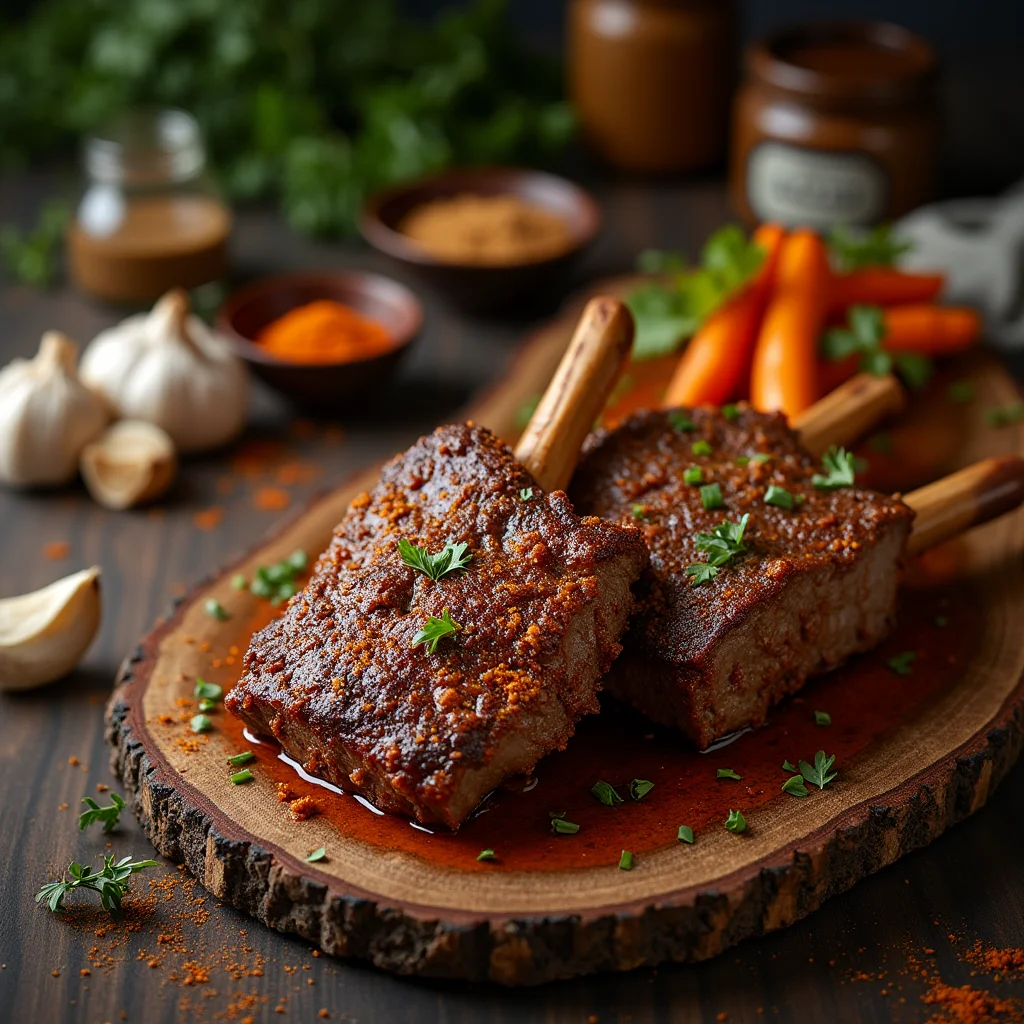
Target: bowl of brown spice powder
485	237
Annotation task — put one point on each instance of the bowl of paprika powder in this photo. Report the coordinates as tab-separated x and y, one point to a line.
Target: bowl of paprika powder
324	339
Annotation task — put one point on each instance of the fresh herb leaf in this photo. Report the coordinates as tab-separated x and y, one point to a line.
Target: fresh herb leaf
1005	415
277	582
205	704
961	392
201	723
680	421
761	457
659	261
626	861
244	758
639	788
209	690
239	778
862	336
639	511
435	630
881	443
701	572
31	257
788	766
108	815
915	369
526	494
216	610
685	834
725	542
711	497
822	718
794	786
735	822
742	460
316	855
239	582
111	882
902	664
561	827
838	464
877	247
451	558
693	475
487	854
819	774
779	497
731	412
701	447
728	773
606	794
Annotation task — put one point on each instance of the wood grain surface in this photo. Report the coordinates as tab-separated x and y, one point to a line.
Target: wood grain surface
968	884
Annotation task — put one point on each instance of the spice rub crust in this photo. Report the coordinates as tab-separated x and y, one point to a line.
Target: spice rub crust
540	607
817	583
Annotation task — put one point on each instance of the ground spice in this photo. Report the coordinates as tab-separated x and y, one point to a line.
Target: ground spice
966	1005
271	499
487	230
56	550
324	332
210	518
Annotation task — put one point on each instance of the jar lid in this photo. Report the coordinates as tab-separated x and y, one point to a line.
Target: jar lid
867	61
147	148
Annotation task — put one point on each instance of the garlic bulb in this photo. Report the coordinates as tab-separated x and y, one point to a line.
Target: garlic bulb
169	368
44	634
46	415
130	463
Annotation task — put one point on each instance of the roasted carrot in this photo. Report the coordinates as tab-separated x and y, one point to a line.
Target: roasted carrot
881	286
717	359
930	330
784	372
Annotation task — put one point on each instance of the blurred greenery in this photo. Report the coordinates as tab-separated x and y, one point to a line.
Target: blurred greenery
313	102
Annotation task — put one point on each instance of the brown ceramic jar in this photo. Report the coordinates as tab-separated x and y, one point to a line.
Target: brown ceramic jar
651	79
836	122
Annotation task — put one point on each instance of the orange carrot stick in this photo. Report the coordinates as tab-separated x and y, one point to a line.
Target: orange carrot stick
715	362
881	286
930	330
784	372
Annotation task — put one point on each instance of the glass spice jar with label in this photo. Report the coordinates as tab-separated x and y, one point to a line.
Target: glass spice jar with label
837	122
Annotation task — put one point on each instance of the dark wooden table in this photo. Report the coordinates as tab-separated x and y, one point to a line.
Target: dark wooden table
969	884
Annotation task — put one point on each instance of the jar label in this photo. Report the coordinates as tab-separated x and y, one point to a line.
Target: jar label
813	188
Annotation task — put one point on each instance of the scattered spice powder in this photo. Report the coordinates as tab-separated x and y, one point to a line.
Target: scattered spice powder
56	550
304	808
324	332
209	518
271	499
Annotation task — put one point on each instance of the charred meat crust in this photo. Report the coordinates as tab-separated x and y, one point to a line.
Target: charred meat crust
541	608
818	582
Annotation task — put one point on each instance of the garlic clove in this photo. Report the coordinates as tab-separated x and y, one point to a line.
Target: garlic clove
44	634
130	463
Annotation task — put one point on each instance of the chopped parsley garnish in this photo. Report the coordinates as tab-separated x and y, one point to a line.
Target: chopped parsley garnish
277	582
201	723
435	630
316	855
788	766
711	497
701	572
693	475
108	815
451	558
761	457
902	663
239	778
639	511
736	822
822	718
864	336
731	412
838	464
819	774
606	793
680	421
724	542
1005	415
561	826
685	834
626	861
487	854
701	447
239	582
526	494
211	691
742	460
877	247
728	773
779	497
205	704
639	788
915	369
961	392
794	786
216	610
244	758
111	882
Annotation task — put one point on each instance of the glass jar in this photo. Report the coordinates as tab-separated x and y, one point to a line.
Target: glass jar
651	79
150	219
836	122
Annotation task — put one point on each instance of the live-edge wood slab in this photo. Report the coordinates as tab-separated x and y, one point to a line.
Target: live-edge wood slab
416	910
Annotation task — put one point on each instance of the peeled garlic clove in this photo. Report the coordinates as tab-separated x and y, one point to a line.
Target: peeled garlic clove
130	463
44	634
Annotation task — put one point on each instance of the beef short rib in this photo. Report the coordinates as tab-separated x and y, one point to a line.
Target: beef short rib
541	606
817	584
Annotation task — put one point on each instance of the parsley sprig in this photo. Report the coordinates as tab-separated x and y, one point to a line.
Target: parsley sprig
838	464
864	336
111	882
451	558
875	248
435	630
723	544
819	774
108	815
277	582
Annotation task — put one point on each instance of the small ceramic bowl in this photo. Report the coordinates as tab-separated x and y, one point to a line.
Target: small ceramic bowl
322	385
473	287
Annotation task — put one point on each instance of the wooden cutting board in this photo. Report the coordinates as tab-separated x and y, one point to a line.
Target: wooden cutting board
916	753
